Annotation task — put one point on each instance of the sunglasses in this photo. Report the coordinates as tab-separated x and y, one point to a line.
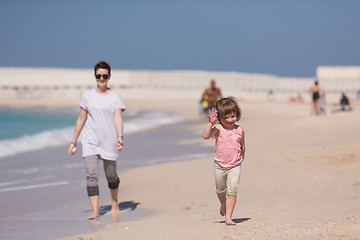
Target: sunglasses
105	76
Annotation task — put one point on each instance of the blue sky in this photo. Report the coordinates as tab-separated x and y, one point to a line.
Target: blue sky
283	37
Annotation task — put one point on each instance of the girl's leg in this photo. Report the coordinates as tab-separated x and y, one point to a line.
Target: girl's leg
113	183
232	183
92	178
230	206
222	199
220	183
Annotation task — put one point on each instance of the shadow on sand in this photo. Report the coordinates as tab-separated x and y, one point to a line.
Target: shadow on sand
123	206
236	220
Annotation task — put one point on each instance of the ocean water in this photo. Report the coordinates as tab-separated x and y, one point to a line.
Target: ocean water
33	146
36	129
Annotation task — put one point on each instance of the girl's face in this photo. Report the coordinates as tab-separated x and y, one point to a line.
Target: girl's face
229	120
102	77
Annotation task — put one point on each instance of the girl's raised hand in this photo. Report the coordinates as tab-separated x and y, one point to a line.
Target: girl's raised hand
212	116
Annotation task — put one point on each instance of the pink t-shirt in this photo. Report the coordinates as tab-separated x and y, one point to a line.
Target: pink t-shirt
228	147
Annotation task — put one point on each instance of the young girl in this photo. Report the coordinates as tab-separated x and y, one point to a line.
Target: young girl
229	153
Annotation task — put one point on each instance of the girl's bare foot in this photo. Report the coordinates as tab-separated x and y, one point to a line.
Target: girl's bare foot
230	222
222	210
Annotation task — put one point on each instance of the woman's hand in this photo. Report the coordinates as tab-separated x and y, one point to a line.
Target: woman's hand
72	149
120	143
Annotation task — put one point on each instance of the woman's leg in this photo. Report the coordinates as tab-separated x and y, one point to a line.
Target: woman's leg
94	201
313	108
113	183
92	186
317	106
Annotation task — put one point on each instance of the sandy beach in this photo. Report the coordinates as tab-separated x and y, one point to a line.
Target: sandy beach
300	179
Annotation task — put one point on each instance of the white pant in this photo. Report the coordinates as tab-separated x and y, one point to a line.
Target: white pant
227	180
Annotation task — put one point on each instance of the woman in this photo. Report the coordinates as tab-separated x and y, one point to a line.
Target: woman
315	103
100	117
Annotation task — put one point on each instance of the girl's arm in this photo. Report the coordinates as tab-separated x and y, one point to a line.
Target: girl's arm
210	129
119	124
78	127
243	145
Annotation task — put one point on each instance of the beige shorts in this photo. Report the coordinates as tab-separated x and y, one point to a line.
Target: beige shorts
227	180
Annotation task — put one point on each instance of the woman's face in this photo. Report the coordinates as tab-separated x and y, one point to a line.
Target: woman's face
102	77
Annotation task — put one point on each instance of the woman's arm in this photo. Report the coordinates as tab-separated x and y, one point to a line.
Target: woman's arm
78	127
119	124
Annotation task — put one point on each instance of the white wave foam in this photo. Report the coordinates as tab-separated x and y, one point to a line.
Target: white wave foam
42	140
17	182
137	121
146	120
34	186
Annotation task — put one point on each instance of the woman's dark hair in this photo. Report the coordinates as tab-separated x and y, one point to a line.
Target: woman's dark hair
102	65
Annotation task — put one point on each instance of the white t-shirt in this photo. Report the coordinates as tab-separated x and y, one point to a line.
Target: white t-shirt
99	135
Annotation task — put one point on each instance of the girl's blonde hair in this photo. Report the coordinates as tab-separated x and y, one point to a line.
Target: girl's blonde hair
227	106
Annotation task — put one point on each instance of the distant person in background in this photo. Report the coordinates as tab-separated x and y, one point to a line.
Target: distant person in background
101	117
315	98
210	96
344	102
204	106
298	98
270	95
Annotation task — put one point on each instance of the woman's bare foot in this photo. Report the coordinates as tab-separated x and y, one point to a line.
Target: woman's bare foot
115	208
93	217
222	210
230	222
115	216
